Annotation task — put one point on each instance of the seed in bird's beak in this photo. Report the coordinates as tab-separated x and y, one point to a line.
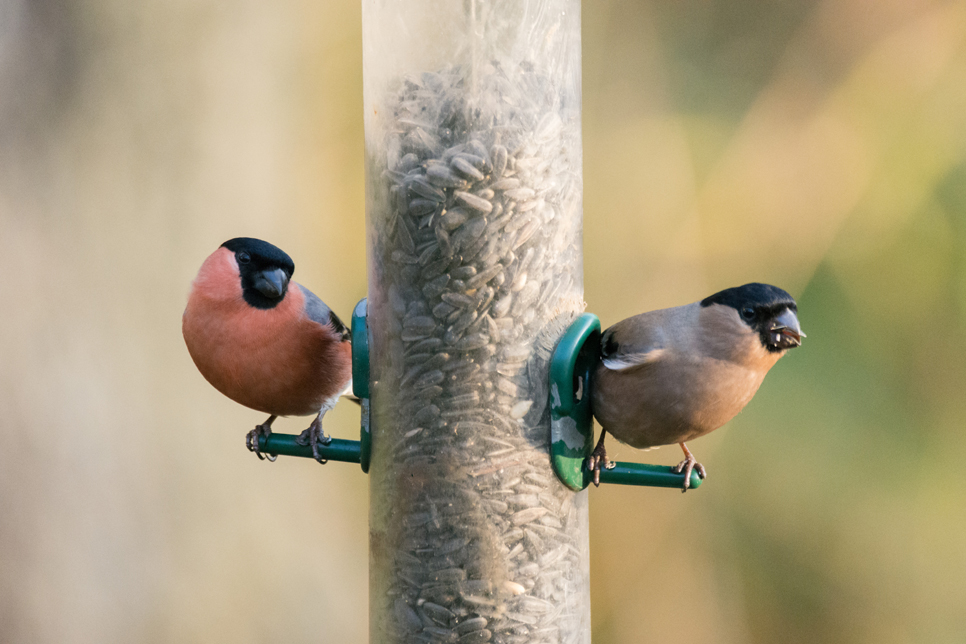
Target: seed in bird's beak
786	326
271	283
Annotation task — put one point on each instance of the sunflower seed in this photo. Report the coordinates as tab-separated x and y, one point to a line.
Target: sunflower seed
465	167
472	201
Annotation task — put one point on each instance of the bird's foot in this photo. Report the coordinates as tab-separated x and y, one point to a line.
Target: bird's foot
251	439
687	466
598	459
314	436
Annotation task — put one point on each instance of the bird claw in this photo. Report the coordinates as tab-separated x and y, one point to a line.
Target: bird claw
687	466
251	440
314	436
597	460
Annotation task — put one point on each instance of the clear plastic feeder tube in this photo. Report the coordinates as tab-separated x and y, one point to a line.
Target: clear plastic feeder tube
473	201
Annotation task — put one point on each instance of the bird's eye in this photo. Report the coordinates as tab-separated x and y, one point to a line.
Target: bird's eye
244	258
748	313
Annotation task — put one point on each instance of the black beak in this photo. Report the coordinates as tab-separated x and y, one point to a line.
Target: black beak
271	283
784	330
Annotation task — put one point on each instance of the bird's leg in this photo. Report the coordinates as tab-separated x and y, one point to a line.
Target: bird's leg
314	435
687	465
598	458
251	439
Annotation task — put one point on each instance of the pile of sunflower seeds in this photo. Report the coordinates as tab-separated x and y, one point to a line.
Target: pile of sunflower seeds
475	215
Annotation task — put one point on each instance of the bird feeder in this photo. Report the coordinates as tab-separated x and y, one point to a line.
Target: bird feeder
473	204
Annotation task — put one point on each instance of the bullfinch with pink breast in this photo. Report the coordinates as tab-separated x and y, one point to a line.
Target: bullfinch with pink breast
265	341
672	375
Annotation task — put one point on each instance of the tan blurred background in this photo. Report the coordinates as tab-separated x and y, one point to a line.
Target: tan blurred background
817	145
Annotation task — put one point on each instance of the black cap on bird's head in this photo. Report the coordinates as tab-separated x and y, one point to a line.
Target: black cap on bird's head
265	271
767	309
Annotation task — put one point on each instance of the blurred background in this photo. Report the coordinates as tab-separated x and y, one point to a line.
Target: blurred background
817	145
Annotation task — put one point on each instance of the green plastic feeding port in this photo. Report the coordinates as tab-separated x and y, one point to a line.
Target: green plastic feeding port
571	417
360	350
360	376
338	449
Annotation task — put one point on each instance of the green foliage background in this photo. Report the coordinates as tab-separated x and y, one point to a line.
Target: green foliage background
820	146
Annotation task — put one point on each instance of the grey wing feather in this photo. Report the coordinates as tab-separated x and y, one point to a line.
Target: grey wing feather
318	311
633	342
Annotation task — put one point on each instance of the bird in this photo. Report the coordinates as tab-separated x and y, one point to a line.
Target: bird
672	375
266	341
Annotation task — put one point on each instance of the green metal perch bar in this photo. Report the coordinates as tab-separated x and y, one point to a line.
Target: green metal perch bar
643	474
338	449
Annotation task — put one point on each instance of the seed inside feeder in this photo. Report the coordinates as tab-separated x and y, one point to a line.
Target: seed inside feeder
477	251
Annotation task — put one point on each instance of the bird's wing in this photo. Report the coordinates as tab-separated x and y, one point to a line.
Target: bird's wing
634	342
625	362
318	311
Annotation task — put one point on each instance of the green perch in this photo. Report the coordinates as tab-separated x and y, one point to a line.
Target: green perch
338	449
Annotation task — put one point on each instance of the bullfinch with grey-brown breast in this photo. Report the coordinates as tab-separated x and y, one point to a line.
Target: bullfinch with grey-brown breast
672	375
265	341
